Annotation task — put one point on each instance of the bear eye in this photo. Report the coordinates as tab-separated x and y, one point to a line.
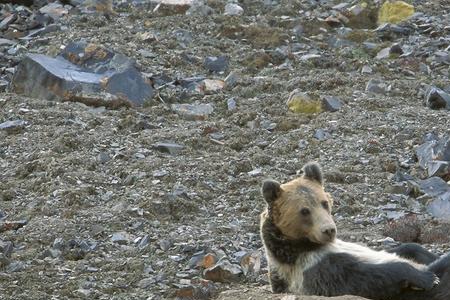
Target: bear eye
305	212
325	204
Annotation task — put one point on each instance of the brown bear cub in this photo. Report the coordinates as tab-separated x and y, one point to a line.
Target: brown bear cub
304	256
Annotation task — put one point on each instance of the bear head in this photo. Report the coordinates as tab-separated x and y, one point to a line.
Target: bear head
300	208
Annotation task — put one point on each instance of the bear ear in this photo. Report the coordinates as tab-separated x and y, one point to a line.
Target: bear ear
271	190
313	171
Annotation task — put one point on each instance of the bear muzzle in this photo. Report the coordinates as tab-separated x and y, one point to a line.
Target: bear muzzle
328	233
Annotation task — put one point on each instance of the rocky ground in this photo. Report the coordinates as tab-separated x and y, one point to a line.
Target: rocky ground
162	200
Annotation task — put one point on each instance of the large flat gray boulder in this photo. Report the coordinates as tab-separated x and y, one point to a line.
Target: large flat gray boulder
85	73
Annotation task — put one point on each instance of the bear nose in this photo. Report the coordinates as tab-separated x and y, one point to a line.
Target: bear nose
330	232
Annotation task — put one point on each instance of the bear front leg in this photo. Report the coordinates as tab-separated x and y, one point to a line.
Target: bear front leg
340	274
278	284
414	252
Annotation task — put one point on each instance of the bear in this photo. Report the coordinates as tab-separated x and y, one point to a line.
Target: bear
305	257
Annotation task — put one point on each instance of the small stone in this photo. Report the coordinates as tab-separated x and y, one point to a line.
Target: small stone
144	241
331	103
193	112
170	7
84	292
311	56
231	80
437	99
377	86
103	157
13	126
170	148
223	271
302	144
213	85
146	53
121	238
7	21
146	283
197	289
6	42
300	102
216	63
165	245
438	168
289	297
58	244
231	104
321	135
54	10
366	70
51	253
6	248
383	53
199	8
251	263
232	9
255	172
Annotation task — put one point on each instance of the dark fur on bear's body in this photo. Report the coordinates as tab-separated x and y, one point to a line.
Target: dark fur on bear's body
307	263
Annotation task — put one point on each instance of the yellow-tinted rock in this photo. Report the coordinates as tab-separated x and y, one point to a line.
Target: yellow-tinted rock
299	102
395	12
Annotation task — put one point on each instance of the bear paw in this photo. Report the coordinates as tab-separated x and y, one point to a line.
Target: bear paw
426	281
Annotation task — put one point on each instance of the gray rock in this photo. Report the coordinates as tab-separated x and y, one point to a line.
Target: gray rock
165	245
58	244
377	86
4	261
103	157
120	238
184	37
223	271
232	79
434	186
383	53
437	99
231	104
395	49
144	241
13	126
7	21
331	103
366	70
85	73
440	207
51	253
438	168
216	63
170	148
54	10
321	134
7	42
193	111
42	31
146	283
232	9
199	8
434	155
6	248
